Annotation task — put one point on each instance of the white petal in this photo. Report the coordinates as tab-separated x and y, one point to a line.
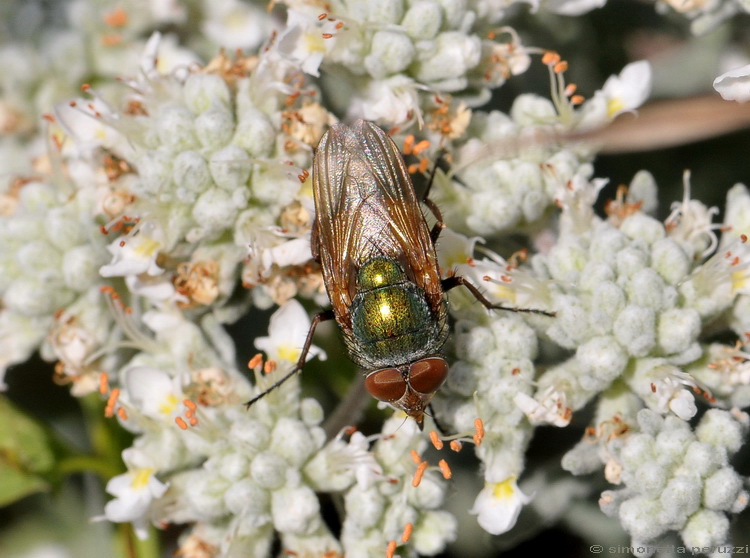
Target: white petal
734	85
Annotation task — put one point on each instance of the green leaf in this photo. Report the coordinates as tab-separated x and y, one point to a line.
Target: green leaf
25	454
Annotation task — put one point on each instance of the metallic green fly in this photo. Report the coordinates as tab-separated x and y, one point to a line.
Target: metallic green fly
380	268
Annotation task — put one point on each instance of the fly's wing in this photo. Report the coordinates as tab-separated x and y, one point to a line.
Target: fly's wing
365	206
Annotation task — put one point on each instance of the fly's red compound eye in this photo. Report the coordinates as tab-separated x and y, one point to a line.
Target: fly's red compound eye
386	385
428	374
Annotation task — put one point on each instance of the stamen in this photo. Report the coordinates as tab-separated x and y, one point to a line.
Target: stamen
269	367
445	469
103	383
122	413
391	550
456	446
109	409
406	535
418	474
415	457
436	441
479	425
550	57
256	361
116	18
181	423
408	144
421	146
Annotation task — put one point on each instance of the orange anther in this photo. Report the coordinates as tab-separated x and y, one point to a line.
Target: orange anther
445	469
406	535
103	383
436	441
550	57
181	423
322	16
257	360
479	425
418	474
415	457
421	146
116	18
122	413
456	445
390	551
408	144
327	35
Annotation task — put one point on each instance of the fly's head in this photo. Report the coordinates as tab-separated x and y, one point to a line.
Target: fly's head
410	387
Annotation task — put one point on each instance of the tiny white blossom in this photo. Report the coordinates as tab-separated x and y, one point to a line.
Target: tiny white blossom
302	41
286	335
135	253
734	85
550	407
134	493
498	505
153	392
235	24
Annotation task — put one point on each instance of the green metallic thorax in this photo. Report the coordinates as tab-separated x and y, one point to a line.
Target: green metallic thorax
392	322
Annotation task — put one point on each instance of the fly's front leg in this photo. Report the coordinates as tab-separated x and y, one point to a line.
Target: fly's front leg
438	227
454	281
319	317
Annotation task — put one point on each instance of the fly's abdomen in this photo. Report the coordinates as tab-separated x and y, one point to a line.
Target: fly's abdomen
392	323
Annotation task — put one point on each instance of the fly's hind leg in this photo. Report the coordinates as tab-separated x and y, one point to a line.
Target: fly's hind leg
319	317
454	281
439	225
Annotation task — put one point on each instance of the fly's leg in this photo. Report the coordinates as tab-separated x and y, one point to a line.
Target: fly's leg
454	281
438	227
319	317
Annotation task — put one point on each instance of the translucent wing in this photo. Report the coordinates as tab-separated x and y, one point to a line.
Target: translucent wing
365	207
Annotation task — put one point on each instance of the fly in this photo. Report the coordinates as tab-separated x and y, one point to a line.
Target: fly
380	268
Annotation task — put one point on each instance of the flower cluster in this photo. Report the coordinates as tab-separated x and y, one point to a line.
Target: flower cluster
171	196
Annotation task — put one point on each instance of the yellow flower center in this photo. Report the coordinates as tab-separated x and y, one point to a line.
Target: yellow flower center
504	490
288	353
141	478
168	405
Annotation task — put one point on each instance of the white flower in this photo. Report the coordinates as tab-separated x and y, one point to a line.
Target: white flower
135	253
674	392
628	90
234	25
498	504
621	93
292	252
286	335
153	392
302	41
551	408
134	492
339	463
391	101
734	85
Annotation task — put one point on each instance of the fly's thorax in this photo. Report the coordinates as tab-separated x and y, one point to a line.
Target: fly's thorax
392	321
